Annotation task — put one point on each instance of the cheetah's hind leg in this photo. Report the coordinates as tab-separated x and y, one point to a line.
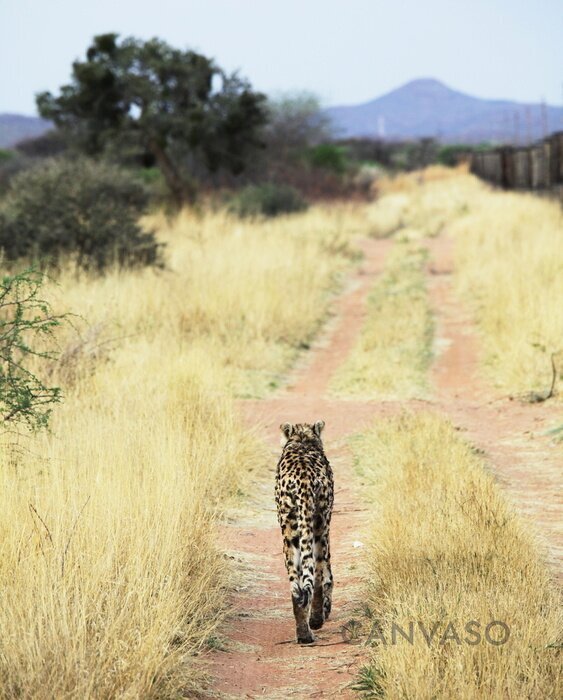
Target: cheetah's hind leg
319	608
300	596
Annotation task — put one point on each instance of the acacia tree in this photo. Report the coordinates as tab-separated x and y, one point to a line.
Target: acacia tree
26	330
177	105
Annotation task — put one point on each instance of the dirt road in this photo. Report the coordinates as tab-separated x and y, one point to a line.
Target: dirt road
261	659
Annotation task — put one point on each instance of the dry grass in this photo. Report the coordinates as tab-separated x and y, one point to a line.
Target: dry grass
109	570
392	355
509	257
446	548
110	575
420	204
250	294
509	264
412	181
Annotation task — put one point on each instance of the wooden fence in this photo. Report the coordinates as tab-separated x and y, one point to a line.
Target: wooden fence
535	167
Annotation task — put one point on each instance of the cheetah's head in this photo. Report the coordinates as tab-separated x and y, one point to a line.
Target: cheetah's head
302	432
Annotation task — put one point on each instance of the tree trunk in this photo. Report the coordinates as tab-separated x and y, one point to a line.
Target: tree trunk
181	192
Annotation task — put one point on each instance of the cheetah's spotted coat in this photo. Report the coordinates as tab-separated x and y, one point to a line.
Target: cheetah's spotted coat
304	498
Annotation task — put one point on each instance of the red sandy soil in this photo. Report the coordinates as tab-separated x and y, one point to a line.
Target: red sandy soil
261	658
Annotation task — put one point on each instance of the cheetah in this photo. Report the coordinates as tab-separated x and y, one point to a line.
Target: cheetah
304	497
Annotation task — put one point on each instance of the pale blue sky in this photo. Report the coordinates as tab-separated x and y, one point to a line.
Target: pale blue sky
346	51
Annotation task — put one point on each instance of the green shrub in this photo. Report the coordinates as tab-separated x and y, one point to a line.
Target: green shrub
10	167
26	332
328	156
51	144
452	154
81	209
267	200
6	155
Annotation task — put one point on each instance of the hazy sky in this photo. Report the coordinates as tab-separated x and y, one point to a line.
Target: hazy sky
347	51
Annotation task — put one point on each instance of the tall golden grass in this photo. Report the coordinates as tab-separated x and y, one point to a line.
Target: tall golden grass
446	548
421	204
509	259
393	352
509	256
248	293
110	574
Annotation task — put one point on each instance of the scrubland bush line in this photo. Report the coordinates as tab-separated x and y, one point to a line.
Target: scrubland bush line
80	210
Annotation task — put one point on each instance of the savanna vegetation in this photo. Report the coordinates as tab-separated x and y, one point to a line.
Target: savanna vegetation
509	257
178	107
393	353
144	328
445	545
447	550
508	251
111	575
164	251
81	210
114	567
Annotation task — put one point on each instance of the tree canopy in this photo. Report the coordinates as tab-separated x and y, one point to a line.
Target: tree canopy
295	122
177	105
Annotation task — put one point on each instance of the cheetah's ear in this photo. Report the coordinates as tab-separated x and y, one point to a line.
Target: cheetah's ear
319	427
287	430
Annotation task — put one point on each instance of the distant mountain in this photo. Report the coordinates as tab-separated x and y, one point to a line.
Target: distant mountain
427	107
424	107
16	127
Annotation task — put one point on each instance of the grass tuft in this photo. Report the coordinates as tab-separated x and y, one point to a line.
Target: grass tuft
509	259
394	349
446	549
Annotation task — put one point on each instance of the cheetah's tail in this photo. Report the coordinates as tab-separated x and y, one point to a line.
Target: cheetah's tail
303	588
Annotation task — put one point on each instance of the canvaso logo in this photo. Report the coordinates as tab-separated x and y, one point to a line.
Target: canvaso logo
472	632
